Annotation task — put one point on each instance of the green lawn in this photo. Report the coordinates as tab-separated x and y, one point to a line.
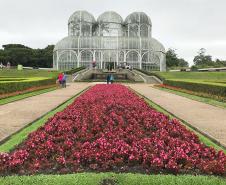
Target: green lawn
213	84
116	179
201	76
28	73
12	80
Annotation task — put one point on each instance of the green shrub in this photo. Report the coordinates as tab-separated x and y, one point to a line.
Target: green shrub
199	86
20	85
194	68
72	71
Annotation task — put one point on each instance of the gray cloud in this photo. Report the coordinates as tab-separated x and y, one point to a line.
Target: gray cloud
186	25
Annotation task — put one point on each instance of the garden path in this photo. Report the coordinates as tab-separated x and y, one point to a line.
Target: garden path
206	118
16	115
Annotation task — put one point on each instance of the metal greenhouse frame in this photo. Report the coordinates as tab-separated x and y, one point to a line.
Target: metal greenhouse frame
109	40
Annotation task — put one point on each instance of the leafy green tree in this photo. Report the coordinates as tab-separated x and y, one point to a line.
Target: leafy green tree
220	63
203	60
20	54
173	61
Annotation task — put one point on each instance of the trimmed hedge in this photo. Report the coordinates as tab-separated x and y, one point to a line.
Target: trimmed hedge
204	87
12	86
151	74
72	71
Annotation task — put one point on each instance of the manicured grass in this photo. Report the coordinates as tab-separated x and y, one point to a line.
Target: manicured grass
209	76
212	83
25	95
28	73
118	179
16	84
22	135
194	97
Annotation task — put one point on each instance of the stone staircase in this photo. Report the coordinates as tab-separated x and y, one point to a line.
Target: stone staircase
148	79
119	75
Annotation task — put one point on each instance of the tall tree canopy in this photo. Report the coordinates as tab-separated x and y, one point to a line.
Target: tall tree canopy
204	60
173	61
20	54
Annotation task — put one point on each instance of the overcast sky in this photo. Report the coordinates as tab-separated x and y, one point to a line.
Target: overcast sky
185	25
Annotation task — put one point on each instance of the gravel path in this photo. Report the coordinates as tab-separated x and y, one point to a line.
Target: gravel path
206	118
16	115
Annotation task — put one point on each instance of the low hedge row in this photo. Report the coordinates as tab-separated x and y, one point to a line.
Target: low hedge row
204	87
13	86
72	71
150	74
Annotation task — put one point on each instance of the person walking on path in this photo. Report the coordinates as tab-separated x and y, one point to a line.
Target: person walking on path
64	80
111	78
60	77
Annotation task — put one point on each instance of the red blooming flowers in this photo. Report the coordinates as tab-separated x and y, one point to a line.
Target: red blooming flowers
109	128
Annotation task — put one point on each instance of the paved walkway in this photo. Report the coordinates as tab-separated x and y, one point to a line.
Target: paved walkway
209	119
16	115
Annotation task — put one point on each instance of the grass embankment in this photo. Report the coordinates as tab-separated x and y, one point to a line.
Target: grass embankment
112	179
26	95
203	76
15	83
28	73
193	96
204	84
21	84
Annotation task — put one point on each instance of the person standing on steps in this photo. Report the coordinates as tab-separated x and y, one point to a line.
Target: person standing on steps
108	78
111	78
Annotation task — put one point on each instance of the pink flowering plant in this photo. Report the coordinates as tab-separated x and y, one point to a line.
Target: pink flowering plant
109	128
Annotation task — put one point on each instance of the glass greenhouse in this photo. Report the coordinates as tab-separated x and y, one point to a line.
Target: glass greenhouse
109	40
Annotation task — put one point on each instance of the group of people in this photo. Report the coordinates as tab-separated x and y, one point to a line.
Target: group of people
7	66
110	79
62	80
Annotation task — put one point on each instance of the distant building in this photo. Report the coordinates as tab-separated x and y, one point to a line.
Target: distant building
109	41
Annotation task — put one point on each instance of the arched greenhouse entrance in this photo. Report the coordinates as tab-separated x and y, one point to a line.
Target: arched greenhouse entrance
109	60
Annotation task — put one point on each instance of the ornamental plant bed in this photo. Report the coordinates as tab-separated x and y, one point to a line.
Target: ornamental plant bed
32	89
13	86
109	128
205	95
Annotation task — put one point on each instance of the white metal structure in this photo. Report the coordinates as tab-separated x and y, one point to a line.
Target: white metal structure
109	41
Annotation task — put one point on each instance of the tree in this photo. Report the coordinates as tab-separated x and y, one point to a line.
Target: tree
173	61
203	60
20	54
220	63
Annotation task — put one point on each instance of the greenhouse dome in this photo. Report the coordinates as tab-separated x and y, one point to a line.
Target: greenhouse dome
109	40
110	17
81	16
138	18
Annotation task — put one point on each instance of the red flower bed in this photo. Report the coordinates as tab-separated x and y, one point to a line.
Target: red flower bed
109	128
